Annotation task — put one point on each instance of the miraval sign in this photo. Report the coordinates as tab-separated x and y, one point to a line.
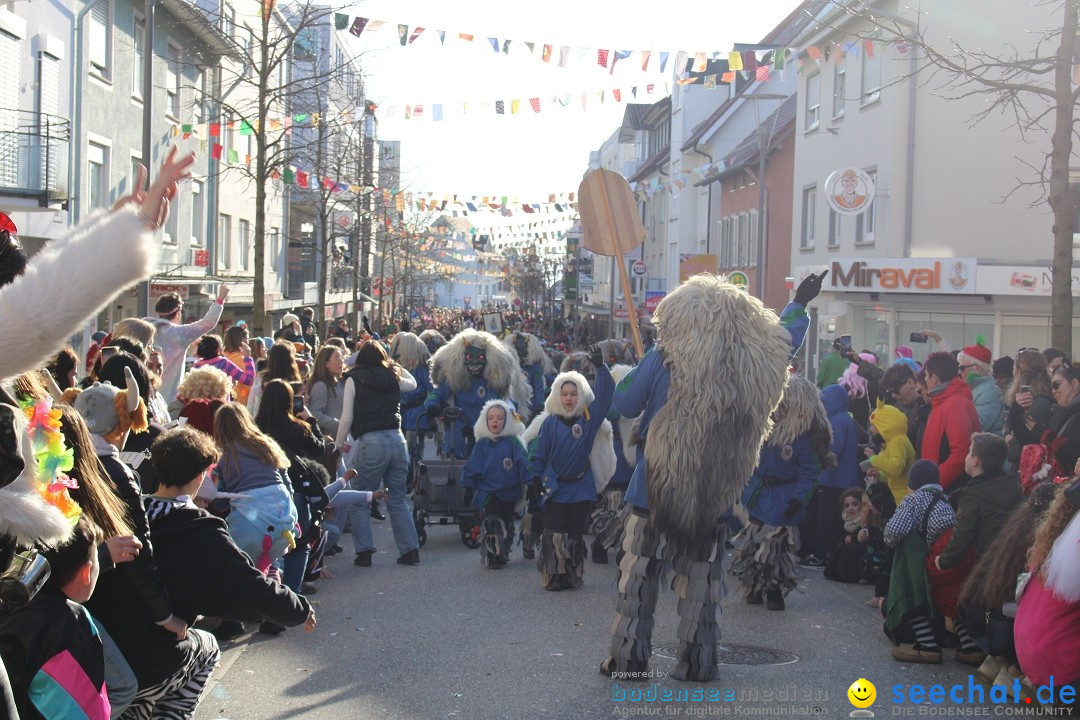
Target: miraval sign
955	276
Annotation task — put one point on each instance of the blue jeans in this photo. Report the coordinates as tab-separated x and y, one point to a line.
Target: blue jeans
295	562
357	506
120	681
381	459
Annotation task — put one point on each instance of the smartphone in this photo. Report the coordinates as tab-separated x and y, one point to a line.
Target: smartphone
845	344
1025	389
297	405
108	351
866	465
918	337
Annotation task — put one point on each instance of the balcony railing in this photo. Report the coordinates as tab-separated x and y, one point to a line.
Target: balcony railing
34	155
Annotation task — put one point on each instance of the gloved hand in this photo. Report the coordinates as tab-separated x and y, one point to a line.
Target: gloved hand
596	356
367	327
405	325
467	432
809	288
535	490
793	507
467	498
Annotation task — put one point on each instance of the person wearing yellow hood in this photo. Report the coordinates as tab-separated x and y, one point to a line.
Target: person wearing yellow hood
897	455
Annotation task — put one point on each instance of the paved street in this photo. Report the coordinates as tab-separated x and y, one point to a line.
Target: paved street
449	639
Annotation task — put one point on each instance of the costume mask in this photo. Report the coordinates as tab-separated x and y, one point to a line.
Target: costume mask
475	361
521	344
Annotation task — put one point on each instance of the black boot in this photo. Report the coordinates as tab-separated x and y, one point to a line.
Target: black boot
774	599
375	511
599	553
754	598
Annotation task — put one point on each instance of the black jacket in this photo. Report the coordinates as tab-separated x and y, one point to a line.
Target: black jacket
1065	423
207	574
377	400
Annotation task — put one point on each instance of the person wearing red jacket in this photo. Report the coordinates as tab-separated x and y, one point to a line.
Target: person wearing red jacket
952	420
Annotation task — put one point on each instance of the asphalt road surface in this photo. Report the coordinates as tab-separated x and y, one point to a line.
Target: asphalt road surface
450	639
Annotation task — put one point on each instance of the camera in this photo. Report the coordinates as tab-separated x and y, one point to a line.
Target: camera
917	337
23	579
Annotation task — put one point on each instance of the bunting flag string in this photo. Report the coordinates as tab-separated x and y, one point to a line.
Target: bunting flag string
744	60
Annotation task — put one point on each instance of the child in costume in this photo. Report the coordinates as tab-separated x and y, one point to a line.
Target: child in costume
534	363
468	371
606	525
779	490
721	358
493	476
896	457
572	461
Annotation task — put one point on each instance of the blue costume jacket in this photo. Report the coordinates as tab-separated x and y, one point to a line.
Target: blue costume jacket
535	375
644	391
844	440
413	402
563	447
471	402
497	466
797	463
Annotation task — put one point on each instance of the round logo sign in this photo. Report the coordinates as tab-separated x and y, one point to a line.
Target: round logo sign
638	268
849	191
739	279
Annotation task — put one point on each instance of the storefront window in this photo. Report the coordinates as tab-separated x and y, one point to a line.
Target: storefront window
876	334
955	329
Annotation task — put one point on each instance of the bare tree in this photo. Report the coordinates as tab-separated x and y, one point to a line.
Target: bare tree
1033	88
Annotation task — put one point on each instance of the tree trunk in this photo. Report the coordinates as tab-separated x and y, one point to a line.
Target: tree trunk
1060	199
258	286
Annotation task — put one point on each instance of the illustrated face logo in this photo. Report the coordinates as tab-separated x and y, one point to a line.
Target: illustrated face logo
862	693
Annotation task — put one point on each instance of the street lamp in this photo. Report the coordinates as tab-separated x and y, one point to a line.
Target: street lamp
763	152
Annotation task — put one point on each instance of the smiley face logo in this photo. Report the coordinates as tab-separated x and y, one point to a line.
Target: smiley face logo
862	693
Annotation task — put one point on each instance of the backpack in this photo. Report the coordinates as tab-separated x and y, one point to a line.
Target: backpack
1038	461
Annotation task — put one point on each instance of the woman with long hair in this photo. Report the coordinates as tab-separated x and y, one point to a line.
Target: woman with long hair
326	389
238	351
262	515
209	350
1047	630
64	367
135	329
372	419
1065	419
280	365
1029	371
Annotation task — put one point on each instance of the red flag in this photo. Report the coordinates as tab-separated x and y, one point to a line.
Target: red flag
215	129
301	178
763	73
415	34
618	94
215	151
358	26
602	57
868	46
535	103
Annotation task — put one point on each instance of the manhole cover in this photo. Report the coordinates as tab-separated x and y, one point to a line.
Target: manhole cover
738	655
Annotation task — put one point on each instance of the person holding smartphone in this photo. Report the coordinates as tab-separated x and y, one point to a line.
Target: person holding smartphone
1029	401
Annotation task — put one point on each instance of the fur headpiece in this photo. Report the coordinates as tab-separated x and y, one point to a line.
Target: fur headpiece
534	354
109	412
409	351
801	412
512	427
728	357
553	404
502	373
578	362
433	339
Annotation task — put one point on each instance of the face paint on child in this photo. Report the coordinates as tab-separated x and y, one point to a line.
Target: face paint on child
568	393
496	420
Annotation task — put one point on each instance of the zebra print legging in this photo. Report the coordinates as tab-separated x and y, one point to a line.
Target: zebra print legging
177	697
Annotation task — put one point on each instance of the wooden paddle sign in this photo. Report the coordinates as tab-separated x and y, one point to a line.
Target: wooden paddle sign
611	226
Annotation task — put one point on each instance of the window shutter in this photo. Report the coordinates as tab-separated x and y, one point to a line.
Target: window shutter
871	80
10	67
100	34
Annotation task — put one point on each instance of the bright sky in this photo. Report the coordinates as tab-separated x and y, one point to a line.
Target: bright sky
475	151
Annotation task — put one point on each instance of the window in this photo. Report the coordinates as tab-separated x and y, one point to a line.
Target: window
10	81
866	222
871	79
744	226
228	20
752	240
834	229
138	58
839	88
97	177
245	245
136	161
224	237
48	88
809	215
813	101
172	81
725	243
275	248
100	38
198	213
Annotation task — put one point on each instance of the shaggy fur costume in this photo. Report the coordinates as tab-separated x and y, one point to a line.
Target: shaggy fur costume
204	383
728	356
602	456
535	353
436	338
502	373
63	285
606	525
409	351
